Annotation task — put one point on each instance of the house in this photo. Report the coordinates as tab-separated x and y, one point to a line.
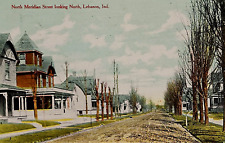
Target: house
8	89
36	73
124	103
215	92
187	99
81	87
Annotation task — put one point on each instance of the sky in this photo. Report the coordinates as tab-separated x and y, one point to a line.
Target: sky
142	36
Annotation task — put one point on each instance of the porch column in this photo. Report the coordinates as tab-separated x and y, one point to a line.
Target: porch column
22	103
70	102
6	103
19	103
53	102
61	102
13	105
25	103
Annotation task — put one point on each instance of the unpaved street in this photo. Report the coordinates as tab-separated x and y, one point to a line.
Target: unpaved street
153	127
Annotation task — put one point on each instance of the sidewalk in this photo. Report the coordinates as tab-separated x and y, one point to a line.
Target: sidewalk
39	128
211	120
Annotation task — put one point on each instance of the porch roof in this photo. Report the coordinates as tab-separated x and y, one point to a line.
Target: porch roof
12	89
54	91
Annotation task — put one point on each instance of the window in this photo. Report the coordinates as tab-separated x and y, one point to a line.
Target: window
52	81
216	101
7	73
16	103
57	103
37	59
30	103
37	81
22	58
47	85
184	105
94	104
41	81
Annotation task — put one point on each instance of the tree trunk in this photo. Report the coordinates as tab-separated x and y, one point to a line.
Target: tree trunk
180	104
97	101
107	104
34	90
102	102
222	5
170	108
201	108
111	103
205	94
195	105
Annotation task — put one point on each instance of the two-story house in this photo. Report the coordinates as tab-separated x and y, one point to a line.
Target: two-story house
8	89
215	92
36	72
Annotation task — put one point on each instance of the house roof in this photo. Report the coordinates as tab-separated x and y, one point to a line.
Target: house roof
80	82
122	98
26	44
47	62
6	38
4	87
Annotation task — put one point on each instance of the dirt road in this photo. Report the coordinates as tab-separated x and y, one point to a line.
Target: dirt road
152	127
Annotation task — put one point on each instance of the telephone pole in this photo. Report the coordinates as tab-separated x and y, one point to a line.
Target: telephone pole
117	88
85	84
114	88
66	63
102	101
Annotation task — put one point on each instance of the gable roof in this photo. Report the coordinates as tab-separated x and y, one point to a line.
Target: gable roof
26	44
80	82
5	38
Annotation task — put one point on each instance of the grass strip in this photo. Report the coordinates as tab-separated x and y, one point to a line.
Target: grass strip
216	116
44	123
205	133
6	128
39	136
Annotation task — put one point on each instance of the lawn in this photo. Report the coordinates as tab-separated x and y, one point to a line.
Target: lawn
6	128
44	123
210	133
39	136
216	116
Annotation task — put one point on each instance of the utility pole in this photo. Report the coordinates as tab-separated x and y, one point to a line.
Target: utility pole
85	84
117	88
114	88
102	101
66	63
